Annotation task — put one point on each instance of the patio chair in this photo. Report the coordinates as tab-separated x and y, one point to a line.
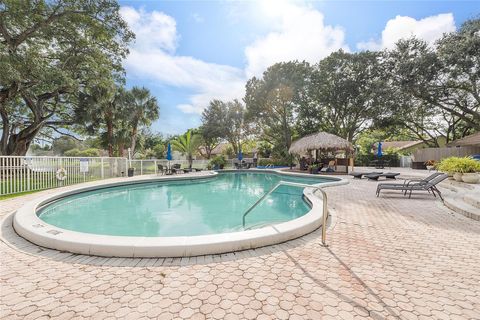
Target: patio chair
415	186
176	168
161	170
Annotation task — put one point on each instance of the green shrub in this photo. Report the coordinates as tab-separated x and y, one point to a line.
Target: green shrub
447	165
460	165
90	152
218	161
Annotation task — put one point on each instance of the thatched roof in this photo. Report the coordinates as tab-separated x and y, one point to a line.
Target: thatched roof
320	141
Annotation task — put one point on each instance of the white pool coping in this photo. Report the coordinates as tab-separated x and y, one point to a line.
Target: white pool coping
28	225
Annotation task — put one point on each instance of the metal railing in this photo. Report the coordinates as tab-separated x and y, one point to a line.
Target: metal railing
31	173
303	185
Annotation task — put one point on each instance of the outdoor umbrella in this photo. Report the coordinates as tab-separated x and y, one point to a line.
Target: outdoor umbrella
240	157
379	150
169	155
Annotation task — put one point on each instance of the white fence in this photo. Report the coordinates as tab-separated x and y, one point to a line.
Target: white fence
30	173
22	174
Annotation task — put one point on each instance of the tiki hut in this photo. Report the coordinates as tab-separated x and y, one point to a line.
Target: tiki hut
326	143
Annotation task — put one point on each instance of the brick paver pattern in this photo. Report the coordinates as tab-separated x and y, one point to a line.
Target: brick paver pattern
388	258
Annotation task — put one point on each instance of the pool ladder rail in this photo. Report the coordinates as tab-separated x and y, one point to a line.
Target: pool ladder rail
302	185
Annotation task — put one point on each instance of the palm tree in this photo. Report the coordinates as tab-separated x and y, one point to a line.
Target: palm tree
143	109
100	110
188	145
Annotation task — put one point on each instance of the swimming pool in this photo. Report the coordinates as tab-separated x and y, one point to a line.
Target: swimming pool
174	216
181	208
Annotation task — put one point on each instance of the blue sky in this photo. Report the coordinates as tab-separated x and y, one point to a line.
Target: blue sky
189	52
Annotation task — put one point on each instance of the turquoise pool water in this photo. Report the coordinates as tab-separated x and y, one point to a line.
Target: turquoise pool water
181	208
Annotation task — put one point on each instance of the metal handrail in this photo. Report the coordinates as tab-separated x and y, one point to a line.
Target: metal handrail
295	184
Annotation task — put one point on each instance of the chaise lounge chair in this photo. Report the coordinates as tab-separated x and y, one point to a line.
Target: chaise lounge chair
388	175
415	186
358	175
416	180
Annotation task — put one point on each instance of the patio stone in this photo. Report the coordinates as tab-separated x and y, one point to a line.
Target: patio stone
387	258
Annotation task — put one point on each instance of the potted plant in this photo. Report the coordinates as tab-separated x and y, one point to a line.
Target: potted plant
447	165
218	162
460	167
430	164
469	168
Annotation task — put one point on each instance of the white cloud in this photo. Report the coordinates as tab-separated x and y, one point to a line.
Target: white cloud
299	34
153	58
152	29
429	29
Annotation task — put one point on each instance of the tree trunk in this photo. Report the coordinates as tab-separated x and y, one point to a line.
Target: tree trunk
5	131
134	137
121	149
19	143
109	137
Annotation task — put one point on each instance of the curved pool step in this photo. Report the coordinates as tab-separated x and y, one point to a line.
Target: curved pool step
462	198
473	200
456	204
265	224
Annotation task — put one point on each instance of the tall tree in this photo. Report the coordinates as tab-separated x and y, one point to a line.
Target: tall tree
273	101
236	129
143	109
213	127
50	51
187	144
224	120
445	78
346	93
103	110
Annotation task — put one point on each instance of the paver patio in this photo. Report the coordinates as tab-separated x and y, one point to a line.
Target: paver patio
388	258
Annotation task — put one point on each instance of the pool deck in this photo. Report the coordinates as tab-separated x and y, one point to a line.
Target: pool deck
388	258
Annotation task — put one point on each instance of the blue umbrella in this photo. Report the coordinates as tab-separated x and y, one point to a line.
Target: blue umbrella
240	155
169	156
169	152
379	150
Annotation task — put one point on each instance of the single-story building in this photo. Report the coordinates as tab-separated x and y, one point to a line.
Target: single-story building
471	140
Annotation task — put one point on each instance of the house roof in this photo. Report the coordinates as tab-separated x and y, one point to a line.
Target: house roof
471	140
221	147
400	145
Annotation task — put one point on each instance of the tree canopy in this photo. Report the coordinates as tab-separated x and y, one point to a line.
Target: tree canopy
49	52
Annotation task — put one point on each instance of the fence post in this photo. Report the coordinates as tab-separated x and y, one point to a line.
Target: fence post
155	164
102	174
28	176
141	167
